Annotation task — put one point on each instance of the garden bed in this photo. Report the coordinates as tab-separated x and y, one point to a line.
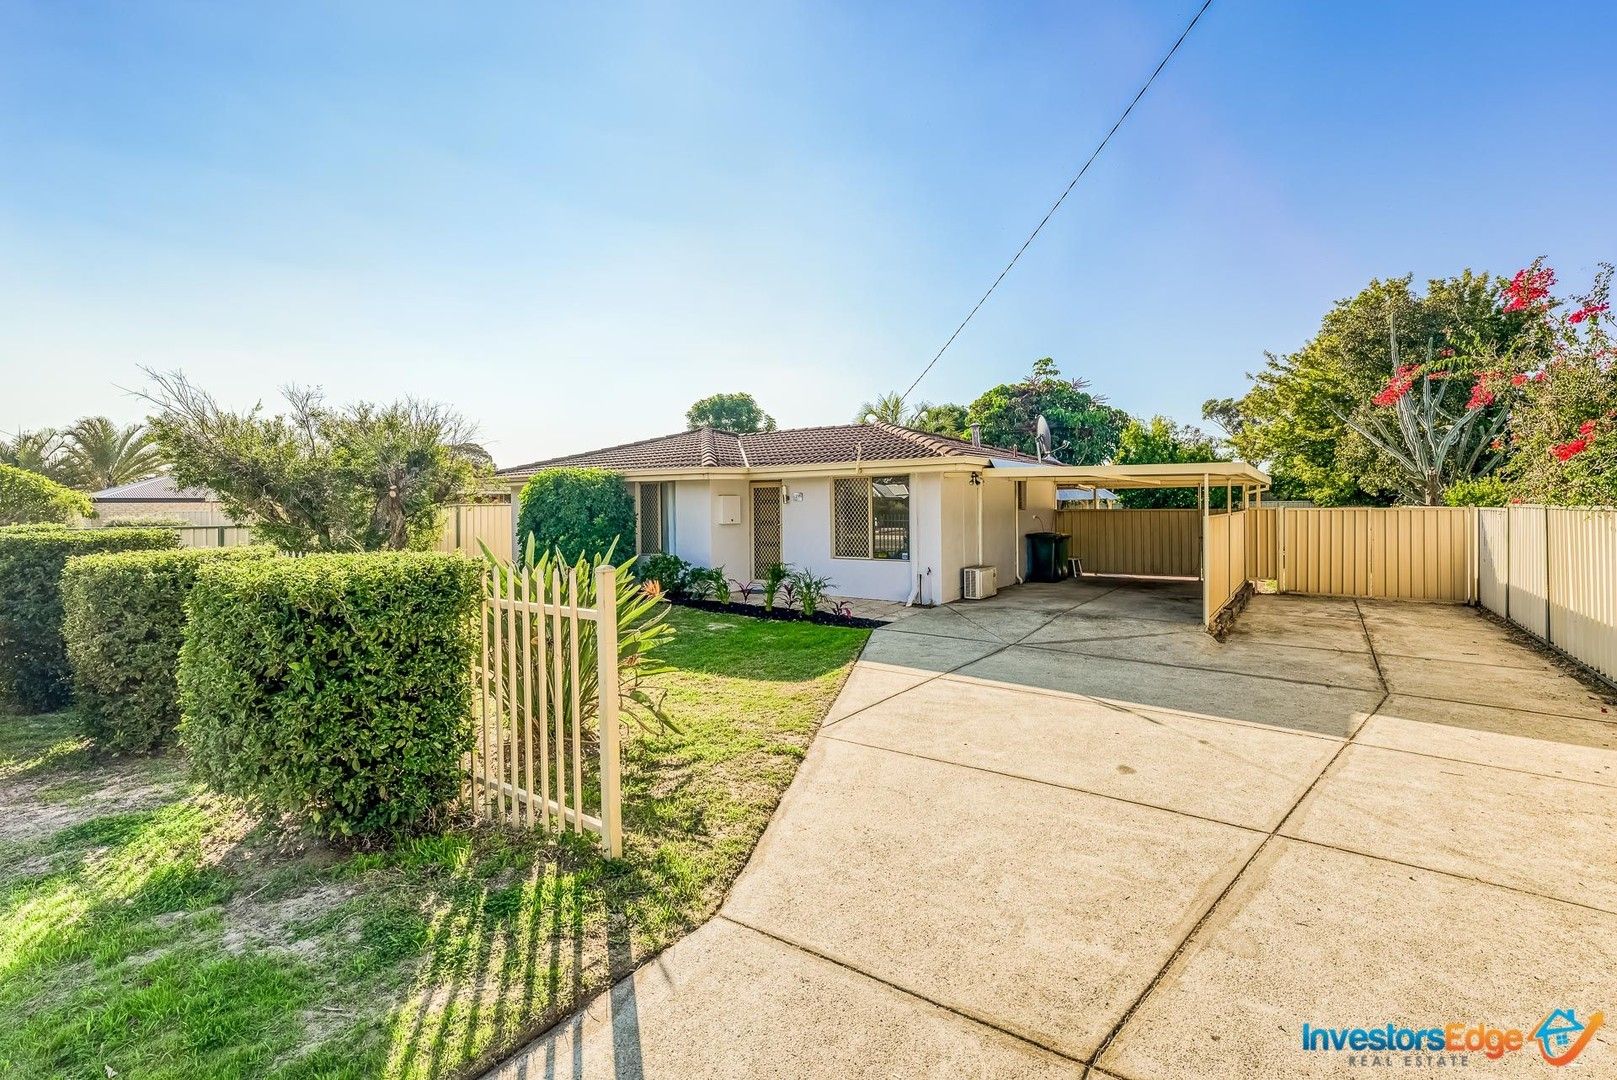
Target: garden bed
149	928
779	614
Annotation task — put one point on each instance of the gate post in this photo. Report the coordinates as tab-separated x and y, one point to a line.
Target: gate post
606	659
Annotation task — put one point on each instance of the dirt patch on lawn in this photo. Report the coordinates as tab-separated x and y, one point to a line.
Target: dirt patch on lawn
35	809
275	925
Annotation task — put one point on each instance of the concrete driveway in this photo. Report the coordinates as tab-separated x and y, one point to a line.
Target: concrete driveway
1065	831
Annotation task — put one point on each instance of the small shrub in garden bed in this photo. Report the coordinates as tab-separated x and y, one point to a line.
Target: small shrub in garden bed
124	622
671	573
334	688
34	671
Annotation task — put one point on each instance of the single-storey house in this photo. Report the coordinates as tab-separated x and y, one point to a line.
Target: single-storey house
885	512
158	497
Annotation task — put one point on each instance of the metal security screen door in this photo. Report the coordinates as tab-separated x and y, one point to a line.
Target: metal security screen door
766	500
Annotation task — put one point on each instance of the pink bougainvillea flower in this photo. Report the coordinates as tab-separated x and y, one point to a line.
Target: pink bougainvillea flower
1527	288
1587	429
1518	379
1445	351
1587	311
1396	387
1481	393
1497	444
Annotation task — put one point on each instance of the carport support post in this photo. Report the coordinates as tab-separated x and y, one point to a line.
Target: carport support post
1206	509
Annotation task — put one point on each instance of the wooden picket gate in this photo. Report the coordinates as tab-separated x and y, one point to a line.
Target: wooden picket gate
545	689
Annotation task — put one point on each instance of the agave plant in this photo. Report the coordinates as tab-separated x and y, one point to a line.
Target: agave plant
641	629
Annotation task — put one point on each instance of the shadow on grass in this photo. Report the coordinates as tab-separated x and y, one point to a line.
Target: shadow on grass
507	963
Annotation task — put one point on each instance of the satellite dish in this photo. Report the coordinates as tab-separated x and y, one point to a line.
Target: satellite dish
1042	438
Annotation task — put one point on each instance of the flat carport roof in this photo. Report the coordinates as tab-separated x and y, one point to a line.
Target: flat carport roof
1182	474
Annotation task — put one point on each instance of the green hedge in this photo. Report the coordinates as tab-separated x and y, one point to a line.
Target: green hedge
29	497
34	671
334	688
124	621
583	512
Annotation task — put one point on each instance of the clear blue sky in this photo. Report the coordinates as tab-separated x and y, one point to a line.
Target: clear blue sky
572	223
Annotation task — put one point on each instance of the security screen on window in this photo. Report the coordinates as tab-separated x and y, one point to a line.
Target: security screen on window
871	517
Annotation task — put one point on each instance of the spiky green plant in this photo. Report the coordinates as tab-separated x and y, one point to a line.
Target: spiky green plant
641	630
811	590
775	575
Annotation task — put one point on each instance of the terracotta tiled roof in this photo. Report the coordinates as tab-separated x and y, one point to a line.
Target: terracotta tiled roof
709	448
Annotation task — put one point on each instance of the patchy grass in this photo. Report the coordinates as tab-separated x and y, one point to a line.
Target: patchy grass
152	929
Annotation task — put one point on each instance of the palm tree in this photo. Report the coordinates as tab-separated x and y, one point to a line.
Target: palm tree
100	454
889	408
37	451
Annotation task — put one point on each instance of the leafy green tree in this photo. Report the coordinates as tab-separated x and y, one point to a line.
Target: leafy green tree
946	419
1160	441
98	453
362	477
1300	415
729	412
1083	428
580	512
1478	491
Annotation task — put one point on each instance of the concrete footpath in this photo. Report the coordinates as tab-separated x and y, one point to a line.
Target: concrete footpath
1065	832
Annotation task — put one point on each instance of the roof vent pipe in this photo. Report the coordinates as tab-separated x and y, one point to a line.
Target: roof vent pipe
976	434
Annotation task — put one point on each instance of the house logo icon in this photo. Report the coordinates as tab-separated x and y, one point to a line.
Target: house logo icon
1561	1038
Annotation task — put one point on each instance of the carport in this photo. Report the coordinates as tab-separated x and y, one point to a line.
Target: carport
1216	548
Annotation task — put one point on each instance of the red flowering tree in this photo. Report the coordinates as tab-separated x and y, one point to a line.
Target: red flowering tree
1541	408
1563	428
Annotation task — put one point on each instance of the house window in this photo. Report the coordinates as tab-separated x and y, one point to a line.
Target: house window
870	517
654	500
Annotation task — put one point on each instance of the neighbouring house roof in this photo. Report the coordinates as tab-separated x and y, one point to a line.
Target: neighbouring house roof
1084	494
154	489
710	448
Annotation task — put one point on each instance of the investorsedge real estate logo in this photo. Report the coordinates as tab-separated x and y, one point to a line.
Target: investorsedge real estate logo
1559	1038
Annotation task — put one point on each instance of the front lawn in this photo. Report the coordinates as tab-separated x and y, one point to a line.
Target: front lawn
151	929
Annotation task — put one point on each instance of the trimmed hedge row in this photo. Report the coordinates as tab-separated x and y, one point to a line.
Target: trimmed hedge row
34	671
27	496
124	621
333	688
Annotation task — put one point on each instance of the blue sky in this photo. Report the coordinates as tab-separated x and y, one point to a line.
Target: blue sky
572	222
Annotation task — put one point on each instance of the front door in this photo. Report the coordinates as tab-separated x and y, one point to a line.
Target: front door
766	500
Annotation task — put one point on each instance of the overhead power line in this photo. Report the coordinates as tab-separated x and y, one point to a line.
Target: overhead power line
1063	197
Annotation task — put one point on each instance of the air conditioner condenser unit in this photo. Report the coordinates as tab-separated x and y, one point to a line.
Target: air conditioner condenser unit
979	582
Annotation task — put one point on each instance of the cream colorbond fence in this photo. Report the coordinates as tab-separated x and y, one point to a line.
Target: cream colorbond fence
1552	570
214	536
1395	553
1226	562
1262	551
546	702
1152	543
466	525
